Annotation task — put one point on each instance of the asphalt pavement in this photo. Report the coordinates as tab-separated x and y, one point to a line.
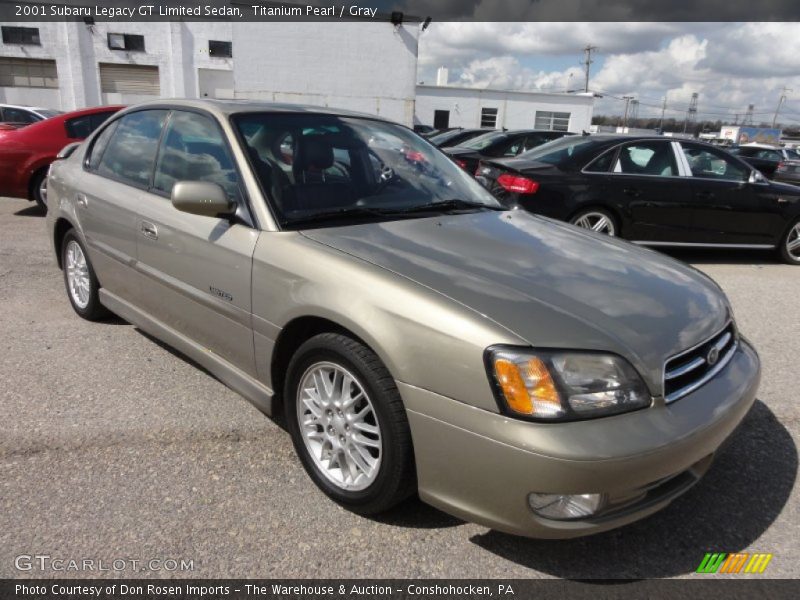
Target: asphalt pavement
114	447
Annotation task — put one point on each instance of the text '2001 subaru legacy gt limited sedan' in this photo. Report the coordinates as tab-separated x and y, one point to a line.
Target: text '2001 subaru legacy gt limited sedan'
418	337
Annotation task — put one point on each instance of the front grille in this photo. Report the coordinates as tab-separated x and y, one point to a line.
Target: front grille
690	369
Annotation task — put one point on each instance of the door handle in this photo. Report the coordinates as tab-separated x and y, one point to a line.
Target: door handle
632	192
80	199
149	230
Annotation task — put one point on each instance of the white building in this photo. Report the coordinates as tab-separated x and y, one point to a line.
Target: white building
451	106
367	66
74	64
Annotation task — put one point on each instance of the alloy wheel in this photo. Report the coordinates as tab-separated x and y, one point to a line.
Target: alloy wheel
43	191
339	426
793	242
596	221
77	275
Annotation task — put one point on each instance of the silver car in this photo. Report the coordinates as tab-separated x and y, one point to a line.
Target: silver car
339	271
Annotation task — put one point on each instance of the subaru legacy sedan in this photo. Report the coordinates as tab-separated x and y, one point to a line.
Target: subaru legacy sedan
344	275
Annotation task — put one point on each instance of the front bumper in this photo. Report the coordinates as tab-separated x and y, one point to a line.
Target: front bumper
481	466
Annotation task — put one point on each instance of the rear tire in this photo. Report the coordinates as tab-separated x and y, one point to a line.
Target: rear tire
789	249
80	279
348	424
596	219
39	188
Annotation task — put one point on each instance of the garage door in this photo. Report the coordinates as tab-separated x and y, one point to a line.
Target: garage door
129	79
28	72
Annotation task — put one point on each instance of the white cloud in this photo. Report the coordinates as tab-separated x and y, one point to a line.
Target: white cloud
727	64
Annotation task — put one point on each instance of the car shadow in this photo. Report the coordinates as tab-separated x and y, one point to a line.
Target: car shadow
413	513
34	210
739	498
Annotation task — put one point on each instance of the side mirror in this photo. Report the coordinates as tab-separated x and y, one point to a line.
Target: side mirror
756	177
202	198
67	150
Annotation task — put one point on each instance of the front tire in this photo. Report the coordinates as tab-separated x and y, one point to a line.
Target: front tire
790	245
596	219
80	279
348	424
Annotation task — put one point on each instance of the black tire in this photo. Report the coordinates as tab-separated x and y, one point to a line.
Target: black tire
597	211
93	311
792	233
36	188
396	477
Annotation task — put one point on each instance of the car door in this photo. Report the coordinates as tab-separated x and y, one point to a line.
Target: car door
117	171
197	269
647	186
726	208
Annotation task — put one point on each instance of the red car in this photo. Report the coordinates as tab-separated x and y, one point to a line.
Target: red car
26	153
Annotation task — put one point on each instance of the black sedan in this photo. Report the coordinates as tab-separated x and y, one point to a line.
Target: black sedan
454	137
652	191
766	159
497	144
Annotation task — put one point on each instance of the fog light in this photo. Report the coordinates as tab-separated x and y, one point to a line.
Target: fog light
565	506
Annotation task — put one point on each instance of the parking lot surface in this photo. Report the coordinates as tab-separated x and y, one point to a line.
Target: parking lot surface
112	446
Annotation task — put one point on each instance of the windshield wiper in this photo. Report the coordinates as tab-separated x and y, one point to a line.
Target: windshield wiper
340	213
449	205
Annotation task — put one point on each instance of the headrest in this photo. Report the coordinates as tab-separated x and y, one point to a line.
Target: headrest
313	152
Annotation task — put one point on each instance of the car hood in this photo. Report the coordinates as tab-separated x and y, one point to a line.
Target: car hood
549	283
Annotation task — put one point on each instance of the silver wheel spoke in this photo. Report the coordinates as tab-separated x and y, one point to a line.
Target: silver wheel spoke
78	281
340	427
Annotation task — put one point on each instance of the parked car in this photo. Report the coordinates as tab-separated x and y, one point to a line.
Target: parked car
25	115
498	144
26	152
652	191
415	335
788	171
454	137
763	157
424	129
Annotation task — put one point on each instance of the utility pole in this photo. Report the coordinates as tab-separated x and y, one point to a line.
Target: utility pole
587	63
780	103
691	113
625	117
748	117
663	110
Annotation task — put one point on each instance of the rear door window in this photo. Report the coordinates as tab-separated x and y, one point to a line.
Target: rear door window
710	163
81	127
131	150
647	158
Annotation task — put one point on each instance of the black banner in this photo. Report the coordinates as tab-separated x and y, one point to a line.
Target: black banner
407	11
708	588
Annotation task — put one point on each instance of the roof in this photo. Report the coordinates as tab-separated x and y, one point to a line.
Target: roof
223	108
461	88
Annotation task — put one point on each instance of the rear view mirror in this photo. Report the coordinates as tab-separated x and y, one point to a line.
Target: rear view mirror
67	150
202	198
756	177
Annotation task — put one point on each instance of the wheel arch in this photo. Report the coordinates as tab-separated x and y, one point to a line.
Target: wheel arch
60	229
293	335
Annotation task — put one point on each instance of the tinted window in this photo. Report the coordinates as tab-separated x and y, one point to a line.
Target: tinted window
80	127
18	115
485	140
647	158
602	164
131	151
193	149
713	164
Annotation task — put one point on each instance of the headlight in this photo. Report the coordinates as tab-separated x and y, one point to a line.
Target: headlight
564	386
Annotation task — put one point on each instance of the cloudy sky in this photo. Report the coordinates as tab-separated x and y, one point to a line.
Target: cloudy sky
730	65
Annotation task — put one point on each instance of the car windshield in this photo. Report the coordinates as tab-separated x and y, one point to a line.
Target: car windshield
318	168
444	136
559	150
484	141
